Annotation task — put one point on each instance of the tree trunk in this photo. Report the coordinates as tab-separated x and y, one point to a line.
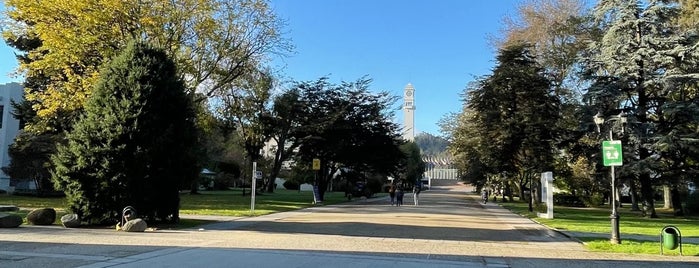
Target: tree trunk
617	195
508	192
676	201
634	196
521	188
194	187
648	209
667	197
531	193
279	157
322	185
322	180
648	204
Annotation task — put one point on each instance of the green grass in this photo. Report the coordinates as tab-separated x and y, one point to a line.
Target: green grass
233	203
29	203
218	203
595	222
33	201
637	247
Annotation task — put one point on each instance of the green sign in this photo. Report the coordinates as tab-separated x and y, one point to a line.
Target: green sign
611	153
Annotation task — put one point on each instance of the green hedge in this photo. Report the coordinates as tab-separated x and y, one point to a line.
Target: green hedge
567	200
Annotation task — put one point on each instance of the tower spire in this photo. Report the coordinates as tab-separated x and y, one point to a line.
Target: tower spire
409	112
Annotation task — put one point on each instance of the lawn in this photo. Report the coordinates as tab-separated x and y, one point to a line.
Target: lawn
233	203
220	203
590	222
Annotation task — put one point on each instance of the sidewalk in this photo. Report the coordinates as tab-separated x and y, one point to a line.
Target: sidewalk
230	222
446	230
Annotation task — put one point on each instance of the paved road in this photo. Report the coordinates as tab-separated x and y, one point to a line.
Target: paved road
448	229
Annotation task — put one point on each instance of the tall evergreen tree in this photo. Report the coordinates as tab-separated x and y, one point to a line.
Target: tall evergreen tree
515	113
134	144
640	62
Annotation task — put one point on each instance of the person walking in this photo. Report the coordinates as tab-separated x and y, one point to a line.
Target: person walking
484	195
399	196
416	194
392	194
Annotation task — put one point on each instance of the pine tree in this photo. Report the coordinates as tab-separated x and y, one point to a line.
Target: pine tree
134	145
515	113
641	65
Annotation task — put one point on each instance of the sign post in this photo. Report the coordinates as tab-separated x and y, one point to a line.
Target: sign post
612	156
254	182
316	191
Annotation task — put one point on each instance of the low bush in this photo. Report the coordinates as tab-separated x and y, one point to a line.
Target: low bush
567	200
692	204
374	185
594	200
291	185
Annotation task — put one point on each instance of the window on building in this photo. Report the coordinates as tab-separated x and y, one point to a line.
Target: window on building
2	113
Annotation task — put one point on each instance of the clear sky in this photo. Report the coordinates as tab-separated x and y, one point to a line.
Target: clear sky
438	46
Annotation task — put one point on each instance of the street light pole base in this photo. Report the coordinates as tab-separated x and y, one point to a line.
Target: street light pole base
615	239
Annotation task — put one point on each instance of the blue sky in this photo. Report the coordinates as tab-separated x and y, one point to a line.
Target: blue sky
438	46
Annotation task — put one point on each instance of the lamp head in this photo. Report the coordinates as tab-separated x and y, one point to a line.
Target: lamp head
622	117
599	119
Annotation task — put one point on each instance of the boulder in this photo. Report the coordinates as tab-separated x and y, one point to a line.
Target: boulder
70	221
8	220
135	225
42	216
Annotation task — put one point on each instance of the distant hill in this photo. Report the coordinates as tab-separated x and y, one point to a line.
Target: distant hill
431	145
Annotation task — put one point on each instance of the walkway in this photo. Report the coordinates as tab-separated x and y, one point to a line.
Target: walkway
449	229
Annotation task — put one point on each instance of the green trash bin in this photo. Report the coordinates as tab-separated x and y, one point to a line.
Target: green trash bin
670	239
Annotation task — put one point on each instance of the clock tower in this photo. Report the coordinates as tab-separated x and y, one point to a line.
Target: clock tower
409	113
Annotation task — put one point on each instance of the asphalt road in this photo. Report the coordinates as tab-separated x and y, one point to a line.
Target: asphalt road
448	229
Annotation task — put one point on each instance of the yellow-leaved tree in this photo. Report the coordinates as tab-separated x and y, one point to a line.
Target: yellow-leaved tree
213	42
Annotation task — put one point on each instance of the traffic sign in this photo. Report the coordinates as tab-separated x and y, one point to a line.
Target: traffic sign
612	155
316	164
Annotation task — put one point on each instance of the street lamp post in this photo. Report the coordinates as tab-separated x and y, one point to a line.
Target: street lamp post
610	153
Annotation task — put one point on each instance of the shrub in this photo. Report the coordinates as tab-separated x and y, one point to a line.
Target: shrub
374	186
291	185
567	200
692	203
134	145
223	181
594	200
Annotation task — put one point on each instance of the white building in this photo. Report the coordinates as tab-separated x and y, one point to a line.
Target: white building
9	126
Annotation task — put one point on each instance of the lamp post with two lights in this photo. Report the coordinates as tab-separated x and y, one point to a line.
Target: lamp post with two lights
612	156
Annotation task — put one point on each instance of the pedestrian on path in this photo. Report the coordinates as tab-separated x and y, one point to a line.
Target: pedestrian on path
416	194
399	196
392	194
484	195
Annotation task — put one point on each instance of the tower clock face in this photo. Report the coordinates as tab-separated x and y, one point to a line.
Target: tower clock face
409	93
